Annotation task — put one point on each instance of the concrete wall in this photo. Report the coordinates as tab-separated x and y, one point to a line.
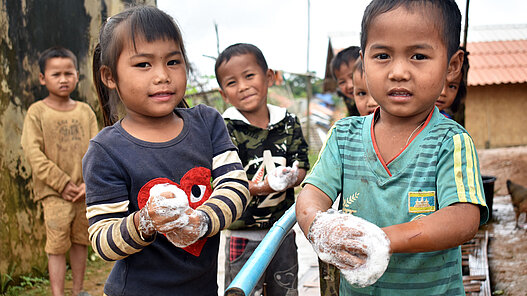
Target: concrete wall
27	27
495	115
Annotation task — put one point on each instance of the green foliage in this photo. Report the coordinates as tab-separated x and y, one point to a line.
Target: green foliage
7	279
298	84
29	281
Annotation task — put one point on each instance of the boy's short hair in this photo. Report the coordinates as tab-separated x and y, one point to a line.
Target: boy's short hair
55	52
236	50
358	67
446	14
346	56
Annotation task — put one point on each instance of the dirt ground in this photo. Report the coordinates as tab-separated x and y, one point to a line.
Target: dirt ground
507	251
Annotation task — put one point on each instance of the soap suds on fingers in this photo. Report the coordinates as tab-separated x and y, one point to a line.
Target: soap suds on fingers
360	249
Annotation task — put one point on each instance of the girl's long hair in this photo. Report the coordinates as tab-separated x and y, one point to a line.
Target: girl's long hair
145	22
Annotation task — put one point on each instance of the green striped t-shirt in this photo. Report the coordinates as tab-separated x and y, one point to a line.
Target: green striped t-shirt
438	168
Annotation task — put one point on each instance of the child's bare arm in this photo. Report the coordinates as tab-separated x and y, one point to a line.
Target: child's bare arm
309	202
301	176
260	188
446	228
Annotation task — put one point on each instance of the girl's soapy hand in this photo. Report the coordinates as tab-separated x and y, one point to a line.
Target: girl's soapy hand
169	213
196	228
357	247
282	178
168	207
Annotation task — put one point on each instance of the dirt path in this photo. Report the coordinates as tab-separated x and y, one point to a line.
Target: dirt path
507	250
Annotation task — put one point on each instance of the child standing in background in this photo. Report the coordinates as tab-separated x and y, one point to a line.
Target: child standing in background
405	168
454	91
342	70
266	136
55	137
365	103
141	61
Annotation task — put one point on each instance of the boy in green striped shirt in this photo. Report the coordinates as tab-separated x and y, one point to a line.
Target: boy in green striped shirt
405	168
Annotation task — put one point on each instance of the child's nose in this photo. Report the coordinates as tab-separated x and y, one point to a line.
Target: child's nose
399	71
349	86
162	75
443	91
243	85
371	102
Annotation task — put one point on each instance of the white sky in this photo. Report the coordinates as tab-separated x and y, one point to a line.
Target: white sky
280	27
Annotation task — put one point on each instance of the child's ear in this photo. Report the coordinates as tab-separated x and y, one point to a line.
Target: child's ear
270	77
454	65
107	78
41	79
224	97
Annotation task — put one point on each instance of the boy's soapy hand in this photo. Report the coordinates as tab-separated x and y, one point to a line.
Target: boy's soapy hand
336	241
282	178
357	247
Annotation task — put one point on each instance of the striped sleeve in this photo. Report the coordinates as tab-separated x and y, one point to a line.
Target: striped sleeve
113	234
458	175
230	193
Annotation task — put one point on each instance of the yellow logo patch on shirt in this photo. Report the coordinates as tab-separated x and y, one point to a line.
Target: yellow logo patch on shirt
421	202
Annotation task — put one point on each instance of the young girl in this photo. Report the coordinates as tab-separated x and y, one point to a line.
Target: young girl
141	61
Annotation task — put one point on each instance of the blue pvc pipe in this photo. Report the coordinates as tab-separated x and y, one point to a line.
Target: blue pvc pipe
248	277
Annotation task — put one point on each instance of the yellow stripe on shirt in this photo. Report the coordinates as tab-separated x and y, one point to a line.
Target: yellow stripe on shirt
470	168
477	176
458	174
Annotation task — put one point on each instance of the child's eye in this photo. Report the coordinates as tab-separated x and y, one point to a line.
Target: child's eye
361	93
249	75
453	86
142	65
419	57
230	83
174	62
382	56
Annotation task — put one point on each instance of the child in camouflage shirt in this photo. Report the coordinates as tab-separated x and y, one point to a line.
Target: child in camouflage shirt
273	152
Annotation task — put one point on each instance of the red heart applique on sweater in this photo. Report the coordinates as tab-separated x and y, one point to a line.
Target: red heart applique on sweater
196	184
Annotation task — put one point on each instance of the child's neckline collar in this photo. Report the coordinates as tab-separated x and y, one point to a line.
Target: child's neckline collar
276	114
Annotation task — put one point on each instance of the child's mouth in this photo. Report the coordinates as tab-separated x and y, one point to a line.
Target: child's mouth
162	95
402	94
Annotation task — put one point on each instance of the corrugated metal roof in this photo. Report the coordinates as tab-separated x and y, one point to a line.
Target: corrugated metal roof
497	62
497	33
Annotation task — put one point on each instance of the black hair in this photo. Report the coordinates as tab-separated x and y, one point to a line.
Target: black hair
346	56
358	67
55	52
147	22
462	88
237	50
448	18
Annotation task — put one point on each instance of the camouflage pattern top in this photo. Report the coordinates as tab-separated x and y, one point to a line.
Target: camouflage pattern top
280	144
